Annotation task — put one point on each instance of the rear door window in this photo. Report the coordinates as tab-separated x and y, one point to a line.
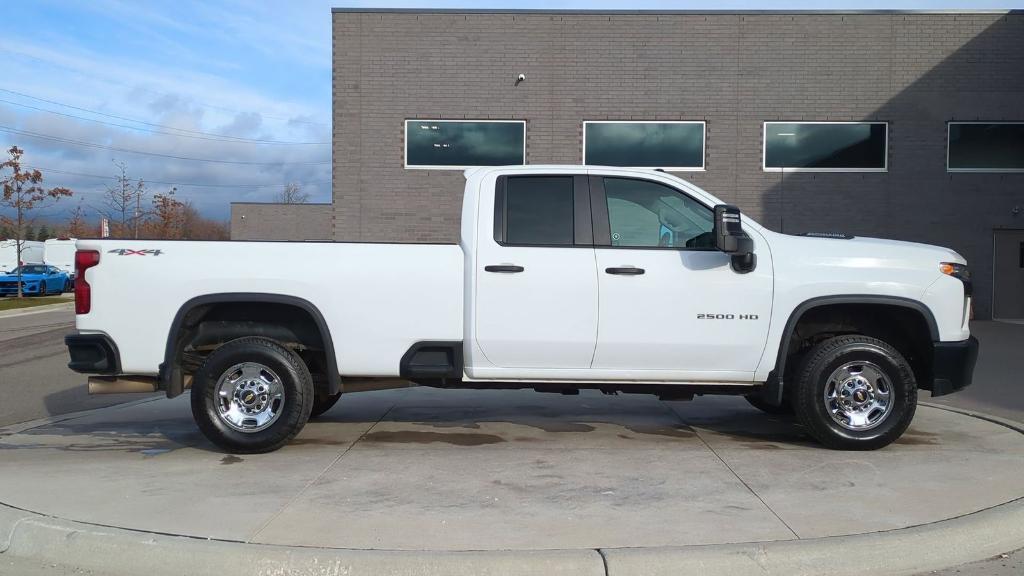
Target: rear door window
539	211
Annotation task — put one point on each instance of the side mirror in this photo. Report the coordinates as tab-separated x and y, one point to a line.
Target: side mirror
731	239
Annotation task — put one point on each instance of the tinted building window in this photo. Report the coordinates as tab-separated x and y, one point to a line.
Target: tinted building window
988	147
460	144
827	147
670	145
648	215
539	210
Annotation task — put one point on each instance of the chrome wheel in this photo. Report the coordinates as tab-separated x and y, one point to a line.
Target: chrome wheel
858	396
250	397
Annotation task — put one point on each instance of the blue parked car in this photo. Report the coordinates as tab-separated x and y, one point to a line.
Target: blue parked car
36	279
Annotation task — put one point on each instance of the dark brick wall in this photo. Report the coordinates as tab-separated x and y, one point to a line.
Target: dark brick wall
915	71
266	221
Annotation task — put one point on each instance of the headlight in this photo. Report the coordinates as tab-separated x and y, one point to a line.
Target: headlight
958	271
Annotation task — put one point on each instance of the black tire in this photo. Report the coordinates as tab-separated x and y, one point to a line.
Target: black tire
812	378
785	409
293	375
69	286
323	403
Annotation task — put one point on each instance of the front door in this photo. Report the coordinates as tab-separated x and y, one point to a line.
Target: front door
1008	275
536	293
671	306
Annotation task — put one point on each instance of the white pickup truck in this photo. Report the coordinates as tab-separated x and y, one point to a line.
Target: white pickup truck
565	278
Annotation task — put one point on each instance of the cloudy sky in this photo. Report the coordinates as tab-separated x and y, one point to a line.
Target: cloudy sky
227	100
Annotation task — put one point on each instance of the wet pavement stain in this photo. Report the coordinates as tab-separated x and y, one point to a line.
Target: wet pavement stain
318	442
918	438
552	426
677	431
231	459
415	437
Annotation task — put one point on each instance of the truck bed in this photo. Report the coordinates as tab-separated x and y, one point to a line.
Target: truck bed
389	295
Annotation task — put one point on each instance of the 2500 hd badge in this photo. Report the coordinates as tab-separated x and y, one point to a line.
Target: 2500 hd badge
726	316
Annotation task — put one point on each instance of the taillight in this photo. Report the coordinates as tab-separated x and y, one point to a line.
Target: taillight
84	259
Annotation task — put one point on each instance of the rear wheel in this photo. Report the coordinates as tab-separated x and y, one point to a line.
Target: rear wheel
252	395
855	393
322	403
69	286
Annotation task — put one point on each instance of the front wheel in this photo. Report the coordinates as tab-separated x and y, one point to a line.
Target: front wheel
855	393
252	395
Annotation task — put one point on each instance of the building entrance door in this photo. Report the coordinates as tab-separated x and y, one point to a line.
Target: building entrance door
1008	275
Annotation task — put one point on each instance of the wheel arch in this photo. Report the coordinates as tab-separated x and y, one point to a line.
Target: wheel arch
774	387
171	373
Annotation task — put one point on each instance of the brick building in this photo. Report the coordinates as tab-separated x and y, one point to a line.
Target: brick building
907	119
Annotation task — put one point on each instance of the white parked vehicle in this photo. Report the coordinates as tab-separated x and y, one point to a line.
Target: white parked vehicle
31	253
60	252
565	278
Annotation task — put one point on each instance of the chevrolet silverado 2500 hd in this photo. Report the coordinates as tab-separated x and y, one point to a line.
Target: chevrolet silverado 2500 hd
565	278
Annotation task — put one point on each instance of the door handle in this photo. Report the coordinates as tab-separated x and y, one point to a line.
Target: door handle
625	271
505	268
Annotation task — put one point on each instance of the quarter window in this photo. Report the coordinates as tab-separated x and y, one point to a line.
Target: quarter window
459	144
674	146
646	214
986	147
539	210
826	146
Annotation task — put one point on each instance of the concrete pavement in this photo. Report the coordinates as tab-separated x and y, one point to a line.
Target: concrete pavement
513	476
424	471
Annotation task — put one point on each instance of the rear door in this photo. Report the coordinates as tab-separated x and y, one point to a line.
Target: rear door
536	293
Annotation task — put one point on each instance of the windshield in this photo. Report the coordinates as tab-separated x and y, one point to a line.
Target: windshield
29	270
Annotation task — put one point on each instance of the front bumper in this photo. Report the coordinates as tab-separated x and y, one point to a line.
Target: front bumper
26	287
953	365
93	354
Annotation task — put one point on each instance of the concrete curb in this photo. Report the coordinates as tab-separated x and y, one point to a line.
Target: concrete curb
19	427
119	551
901	552
36	309
1007	423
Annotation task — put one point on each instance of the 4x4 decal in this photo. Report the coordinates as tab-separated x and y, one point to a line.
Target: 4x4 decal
130	252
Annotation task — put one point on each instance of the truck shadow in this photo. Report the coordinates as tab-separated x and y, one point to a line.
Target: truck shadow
478	418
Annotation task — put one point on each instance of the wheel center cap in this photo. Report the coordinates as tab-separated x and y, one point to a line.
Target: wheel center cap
860	395
248	398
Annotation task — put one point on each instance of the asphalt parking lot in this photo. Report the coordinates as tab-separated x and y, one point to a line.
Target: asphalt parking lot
420	469
34	379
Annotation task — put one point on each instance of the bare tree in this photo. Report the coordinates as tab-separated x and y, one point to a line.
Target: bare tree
292	194
22	193
123	202
76	226
168	216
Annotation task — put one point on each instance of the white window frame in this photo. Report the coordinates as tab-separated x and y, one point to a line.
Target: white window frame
764	147
405	140
949	127
703	143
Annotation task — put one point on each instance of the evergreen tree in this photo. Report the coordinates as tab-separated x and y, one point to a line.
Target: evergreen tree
30	232
43	234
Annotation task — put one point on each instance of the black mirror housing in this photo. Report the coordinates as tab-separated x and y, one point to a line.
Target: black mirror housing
731	239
